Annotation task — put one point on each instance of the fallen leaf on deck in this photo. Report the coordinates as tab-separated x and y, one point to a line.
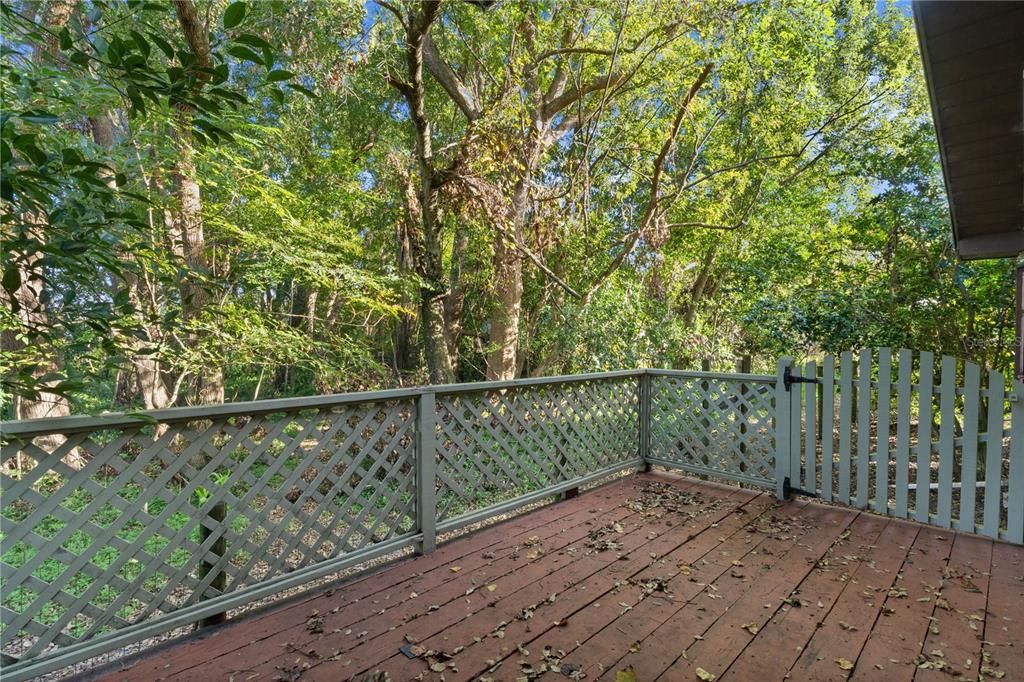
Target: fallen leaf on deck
627	675
846	626
752	628
315	622
635	646
704	676
844	663
492	587
455	569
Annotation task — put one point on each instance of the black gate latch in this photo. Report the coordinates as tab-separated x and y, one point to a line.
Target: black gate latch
788	379
788	490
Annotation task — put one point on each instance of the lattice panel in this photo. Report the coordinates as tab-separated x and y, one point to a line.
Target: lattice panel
129	536
721	425
497	445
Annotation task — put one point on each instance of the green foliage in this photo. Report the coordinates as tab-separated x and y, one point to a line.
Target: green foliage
799	207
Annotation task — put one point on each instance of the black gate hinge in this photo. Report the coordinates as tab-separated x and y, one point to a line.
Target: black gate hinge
788	490
788	379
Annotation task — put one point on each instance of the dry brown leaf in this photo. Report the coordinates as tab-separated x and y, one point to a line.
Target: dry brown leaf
455	569
704	676
752	628
635	646
844	663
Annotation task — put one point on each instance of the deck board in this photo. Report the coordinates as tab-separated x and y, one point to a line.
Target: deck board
718	578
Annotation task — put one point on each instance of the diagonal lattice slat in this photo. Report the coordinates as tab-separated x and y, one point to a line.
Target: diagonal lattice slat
496	445
722	425
130	536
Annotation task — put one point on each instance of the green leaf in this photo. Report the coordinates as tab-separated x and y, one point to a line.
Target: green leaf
253	40
220	74
164	46
234	14
141	43
279	75
65	39
40	117
277	95
11	279
300	88
245	54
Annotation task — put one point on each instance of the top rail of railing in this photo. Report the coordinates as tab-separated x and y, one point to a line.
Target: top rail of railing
115	420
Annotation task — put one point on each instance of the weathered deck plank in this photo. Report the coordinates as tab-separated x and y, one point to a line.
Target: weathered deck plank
895	640
709	578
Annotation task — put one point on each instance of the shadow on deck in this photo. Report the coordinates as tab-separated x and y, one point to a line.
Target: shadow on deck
655	573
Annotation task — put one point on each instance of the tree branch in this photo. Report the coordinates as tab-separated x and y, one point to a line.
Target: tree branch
449	80
555	105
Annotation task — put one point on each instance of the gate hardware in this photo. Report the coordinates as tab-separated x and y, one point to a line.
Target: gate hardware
788	490
788	379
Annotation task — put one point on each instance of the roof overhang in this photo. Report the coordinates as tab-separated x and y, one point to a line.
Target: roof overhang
973	55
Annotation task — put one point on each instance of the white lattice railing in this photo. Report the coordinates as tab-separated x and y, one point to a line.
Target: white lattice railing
122	527
720	425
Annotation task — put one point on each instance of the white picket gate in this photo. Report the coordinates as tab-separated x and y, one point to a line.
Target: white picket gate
906	436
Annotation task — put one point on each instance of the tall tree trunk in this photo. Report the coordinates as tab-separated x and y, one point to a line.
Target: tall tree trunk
508	286
435	345
404	344
210	380
456	298
700	286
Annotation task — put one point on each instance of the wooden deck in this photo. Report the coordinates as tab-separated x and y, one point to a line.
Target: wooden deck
659	574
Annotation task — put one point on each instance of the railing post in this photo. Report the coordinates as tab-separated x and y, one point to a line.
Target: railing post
218	513
1015	492
644	446
782	427
426	471
743	365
